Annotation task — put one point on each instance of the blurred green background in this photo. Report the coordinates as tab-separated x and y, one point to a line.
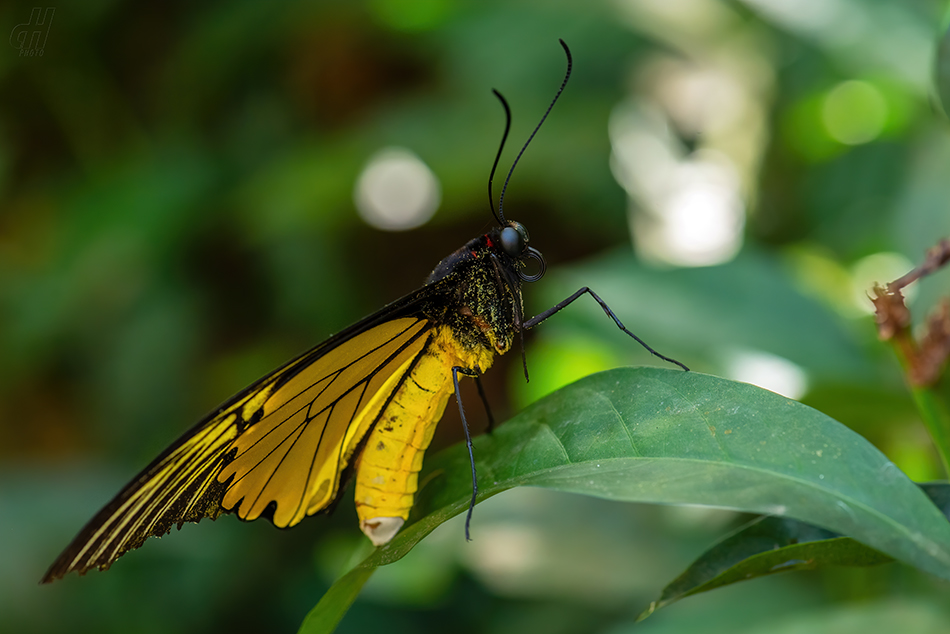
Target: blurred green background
183	190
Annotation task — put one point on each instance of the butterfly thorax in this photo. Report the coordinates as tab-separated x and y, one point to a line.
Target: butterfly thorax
484	295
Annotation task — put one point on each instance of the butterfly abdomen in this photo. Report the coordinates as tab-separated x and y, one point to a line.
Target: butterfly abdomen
388	469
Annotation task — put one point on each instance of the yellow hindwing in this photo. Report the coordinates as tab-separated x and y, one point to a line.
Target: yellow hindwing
293	457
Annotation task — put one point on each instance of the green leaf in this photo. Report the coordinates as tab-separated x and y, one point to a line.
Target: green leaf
671	437
325	616
769	545
766	545
335	603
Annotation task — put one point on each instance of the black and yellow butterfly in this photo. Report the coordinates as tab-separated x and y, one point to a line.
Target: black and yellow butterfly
364	402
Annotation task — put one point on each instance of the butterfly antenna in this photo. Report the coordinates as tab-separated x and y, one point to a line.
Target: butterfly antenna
504	137
567	75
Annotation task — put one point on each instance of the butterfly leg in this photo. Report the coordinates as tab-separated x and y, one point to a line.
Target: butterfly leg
481	393
468	441
534	321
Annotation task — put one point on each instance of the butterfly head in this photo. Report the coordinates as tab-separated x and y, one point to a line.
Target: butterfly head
513	240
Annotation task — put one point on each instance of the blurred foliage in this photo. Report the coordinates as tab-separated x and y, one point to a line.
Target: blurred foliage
176	219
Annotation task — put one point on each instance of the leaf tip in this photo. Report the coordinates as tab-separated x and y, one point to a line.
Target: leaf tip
650	610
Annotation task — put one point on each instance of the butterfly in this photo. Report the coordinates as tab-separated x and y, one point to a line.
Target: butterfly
364	404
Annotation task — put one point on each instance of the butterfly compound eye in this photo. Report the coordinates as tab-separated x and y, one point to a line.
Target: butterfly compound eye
514	239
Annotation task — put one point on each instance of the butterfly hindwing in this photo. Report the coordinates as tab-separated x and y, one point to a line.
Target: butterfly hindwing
277	449
311	424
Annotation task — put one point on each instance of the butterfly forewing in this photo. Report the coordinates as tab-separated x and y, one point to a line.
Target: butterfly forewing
279	448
